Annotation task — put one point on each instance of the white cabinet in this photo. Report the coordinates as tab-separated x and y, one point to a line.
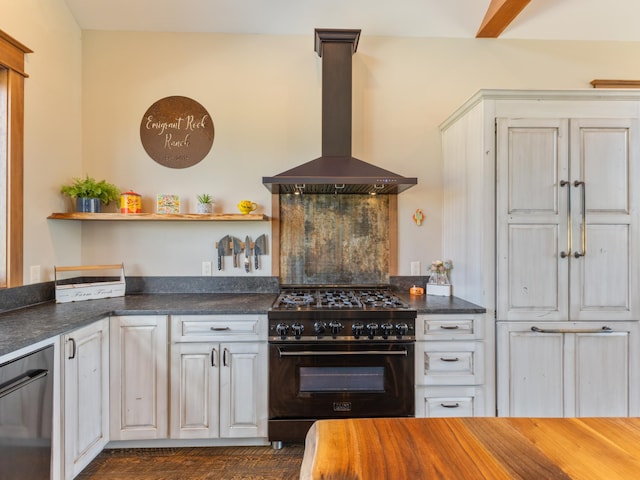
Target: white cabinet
86	395
450	365
567	218
218	376
569	369
506	156
541	221
139	377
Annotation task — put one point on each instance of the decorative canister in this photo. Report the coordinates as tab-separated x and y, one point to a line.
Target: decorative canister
130	202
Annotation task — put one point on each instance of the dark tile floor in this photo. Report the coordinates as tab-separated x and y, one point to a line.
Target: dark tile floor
201	463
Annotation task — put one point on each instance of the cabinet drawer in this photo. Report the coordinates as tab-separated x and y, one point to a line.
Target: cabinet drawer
449	363
449	327
205	328
448	402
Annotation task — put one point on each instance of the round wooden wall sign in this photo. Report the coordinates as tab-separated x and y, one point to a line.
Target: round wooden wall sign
177	132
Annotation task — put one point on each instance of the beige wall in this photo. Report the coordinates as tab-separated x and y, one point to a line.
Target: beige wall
263	93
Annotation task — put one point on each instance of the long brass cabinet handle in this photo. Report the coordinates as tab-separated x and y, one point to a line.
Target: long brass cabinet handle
604	329
565	183
583	228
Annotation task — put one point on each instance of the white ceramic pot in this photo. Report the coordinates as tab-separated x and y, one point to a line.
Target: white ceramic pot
204	208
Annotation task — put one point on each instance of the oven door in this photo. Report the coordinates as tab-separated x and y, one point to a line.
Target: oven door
341	380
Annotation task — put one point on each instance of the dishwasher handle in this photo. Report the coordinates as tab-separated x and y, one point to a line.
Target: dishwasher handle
21	381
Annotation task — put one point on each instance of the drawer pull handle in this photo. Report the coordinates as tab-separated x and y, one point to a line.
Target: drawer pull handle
449	327
220	329
604	329
450	359
450	405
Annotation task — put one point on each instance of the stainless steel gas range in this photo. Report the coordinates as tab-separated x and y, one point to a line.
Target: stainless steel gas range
338	352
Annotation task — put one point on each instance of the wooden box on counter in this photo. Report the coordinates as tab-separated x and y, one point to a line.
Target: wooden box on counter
87	289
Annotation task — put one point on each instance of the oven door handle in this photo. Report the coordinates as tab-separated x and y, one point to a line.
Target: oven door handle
311	353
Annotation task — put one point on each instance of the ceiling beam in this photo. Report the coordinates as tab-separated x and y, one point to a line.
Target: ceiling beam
498	17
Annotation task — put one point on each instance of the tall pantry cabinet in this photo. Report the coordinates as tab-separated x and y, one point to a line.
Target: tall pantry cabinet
541	220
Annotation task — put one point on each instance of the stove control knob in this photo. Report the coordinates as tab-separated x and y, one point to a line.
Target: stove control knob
282	329
387	329
402	328
357	329
297	329
319	327
372	328
335	327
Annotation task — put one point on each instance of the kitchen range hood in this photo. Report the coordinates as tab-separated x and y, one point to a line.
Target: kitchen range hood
336	171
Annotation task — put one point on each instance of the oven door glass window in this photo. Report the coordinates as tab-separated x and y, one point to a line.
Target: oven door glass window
342	379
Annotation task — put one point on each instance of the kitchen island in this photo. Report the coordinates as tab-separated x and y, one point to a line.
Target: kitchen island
473	448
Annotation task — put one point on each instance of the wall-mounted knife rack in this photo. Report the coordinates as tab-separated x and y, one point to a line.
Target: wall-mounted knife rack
242	245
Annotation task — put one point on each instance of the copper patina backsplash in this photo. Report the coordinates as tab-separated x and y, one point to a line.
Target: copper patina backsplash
334	239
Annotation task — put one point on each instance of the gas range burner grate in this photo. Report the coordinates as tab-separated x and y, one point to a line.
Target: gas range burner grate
296	299
380	299
338	298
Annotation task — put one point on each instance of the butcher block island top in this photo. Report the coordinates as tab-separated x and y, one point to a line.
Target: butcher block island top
473	448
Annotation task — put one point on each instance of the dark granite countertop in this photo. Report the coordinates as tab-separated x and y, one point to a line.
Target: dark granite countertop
434	304
25	326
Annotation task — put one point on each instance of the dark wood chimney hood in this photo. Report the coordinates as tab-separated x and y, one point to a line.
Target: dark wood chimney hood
337	171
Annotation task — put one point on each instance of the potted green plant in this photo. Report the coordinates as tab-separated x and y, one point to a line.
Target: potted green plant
90	194
205	203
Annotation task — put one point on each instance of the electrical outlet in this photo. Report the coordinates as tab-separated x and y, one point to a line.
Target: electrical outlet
415	268
35	273
206	269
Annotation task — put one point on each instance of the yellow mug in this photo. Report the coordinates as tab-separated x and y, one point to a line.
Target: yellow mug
247	206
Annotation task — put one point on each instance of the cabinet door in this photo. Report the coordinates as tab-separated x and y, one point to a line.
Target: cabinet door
568	369
139	377
86	395
243	390
604	156
566	219
601	386
532	221
195	390
530	372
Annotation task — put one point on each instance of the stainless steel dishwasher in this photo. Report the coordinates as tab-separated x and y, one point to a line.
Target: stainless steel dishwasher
26	408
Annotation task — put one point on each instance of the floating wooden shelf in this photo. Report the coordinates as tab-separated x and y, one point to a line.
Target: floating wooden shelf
164	217
615	83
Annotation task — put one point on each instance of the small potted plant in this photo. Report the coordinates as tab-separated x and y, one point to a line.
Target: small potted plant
205	203
90	194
